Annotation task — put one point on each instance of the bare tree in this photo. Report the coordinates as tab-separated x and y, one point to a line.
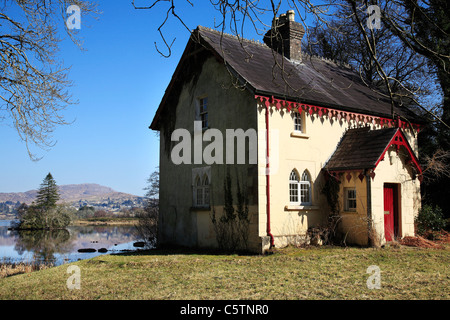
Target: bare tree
147	226
401	20
406	55
407	72
33	81
436	164
152	187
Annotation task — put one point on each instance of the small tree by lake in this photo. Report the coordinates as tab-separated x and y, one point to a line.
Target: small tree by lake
44	213
48	194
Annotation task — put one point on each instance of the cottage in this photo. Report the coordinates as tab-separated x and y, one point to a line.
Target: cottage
316	125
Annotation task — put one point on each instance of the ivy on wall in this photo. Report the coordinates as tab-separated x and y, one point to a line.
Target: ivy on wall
232	226
331	190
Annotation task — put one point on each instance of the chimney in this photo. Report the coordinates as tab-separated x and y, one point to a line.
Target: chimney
286	35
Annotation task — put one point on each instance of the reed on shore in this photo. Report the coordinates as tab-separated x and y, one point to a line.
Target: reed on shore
9	268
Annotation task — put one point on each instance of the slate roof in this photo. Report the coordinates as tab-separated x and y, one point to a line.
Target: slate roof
314	81
263	71
360	149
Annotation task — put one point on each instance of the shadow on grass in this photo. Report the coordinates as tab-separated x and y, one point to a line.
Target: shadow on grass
180	250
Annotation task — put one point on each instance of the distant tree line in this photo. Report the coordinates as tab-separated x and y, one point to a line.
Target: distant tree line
86	212
46	214
9	207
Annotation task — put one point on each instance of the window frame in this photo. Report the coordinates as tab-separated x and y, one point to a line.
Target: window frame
294	194
198	191
305	183
206	195
298	124
203	112
201	194
348	199
299	187
298	117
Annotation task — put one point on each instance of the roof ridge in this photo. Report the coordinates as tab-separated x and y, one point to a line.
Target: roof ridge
262	44
257	42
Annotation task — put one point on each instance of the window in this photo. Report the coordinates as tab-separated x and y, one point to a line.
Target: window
206	190
201	189
293	187
350	199
201	186
305	188
300	190
298	123
204	112
199	192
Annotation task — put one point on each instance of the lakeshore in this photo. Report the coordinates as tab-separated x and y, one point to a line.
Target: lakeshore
80	240
105	222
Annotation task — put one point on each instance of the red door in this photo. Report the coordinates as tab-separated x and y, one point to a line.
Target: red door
390	211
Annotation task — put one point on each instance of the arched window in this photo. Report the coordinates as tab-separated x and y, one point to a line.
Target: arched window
300	189
305	188
293	187
201	191
206	190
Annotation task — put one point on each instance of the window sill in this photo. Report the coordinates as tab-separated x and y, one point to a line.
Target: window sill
299	134
293	207
349	212
204	208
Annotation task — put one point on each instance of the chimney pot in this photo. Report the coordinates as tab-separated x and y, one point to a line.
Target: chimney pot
291	15
285	36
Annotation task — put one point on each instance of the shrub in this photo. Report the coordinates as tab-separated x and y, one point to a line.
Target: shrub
38	218
429	219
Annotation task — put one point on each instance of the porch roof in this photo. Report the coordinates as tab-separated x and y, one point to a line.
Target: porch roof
362	149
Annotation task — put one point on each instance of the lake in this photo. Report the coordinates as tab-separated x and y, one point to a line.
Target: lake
61	246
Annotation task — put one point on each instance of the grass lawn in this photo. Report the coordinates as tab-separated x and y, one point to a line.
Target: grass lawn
289	273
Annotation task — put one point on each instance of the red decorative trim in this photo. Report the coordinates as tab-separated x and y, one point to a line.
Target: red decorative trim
349	174
348	177
399	140
334	113
337	174
361	176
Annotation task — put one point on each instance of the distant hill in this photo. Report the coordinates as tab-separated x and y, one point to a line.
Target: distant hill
72	193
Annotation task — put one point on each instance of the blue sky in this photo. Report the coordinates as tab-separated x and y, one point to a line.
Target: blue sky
119	82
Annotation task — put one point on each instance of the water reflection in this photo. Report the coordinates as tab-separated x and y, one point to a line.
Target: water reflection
44	244
59	246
